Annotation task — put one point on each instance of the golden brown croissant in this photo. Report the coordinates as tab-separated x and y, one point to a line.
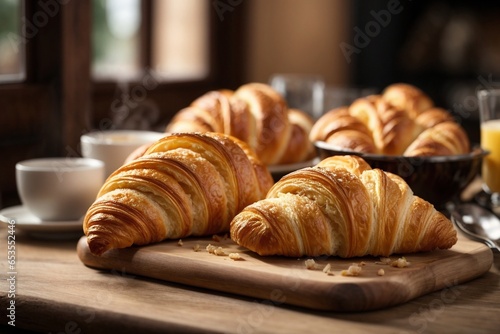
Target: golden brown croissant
340	129
407	97
256	114
392	128
341	207
211	112
433	116
184	184
391	124
299	147
446	138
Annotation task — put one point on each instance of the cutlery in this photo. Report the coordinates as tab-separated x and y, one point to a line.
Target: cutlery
478	223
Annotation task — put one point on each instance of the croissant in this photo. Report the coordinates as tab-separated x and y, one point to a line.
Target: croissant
392	128
407	97
299	147
341	207
446	138
433	116
342	130
184	184
398	122
256	114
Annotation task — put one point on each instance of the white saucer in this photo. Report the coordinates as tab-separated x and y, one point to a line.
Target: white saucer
25	221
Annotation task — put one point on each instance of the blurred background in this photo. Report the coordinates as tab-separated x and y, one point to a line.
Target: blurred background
68	67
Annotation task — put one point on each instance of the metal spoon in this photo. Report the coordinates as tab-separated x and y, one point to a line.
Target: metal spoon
478	223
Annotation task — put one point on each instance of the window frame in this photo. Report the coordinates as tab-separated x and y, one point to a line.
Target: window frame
58	101
226	59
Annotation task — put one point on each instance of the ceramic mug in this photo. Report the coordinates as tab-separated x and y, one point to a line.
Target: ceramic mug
114	146
56	189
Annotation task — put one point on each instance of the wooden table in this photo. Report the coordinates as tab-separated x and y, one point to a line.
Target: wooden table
56	293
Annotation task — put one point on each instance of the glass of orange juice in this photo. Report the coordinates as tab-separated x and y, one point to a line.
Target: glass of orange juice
489	112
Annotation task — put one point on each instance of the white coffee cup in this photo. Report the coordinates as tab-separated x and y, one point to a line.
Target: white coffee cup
55	189
114	146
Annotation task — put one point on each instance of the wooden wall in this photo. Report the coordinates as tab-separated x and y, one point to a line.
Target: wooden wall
296	36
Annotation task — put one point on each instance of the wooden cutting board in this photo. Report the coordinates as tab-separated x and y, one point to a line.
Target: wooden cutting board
280	280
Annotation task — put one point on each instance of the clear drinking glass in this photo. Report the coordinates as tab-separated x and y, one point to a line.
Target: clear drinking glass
335	97
489	111
301	91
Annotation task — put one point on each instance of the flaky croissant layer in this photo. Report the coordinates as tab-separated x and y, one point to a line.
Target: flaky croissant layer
184	184
256	114
400	121
341	207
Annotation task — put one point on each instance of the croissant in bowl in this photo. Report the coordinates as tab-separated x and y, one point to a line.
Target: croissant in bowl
256	114
401	121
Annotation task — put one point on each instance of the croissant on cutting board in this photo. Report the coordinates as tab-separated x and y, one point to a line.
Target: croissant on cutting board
400	121
341	207
256	114
184	184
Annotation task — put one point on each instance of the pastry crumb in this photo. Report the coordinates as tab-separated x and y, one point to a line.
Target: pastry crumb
362	263
180	243
328	270
310	264
210	248
197	247
400	263
235	256
381	272
215	250
353	270
219	251
215	238
384	260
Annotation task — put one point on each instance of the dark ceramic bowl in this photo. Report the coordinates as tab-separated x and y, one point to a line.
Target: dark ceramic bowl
437	179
